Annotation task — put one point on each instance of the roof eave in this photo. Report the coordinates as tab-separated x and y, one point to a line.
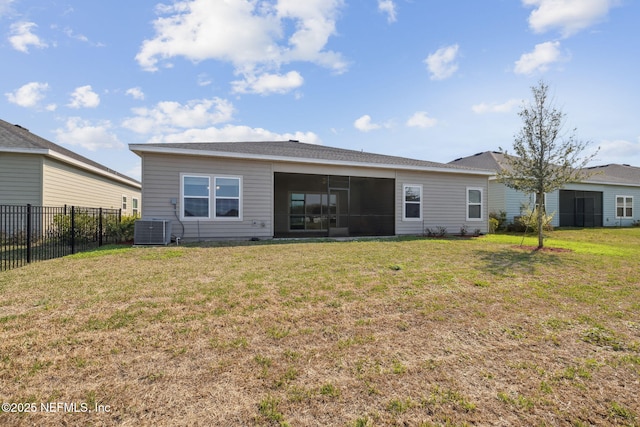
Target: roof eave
142	148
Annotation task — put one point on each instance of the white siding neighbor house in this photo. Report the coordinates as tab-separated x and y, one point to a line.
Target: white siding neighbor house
262	190
610	196
38	172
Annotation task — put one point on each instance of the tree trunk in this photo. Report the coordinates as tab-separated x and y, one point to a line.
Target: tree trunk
540	217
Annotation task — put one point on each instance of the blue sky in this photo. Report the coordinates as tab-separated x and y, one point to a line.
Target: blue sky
427	79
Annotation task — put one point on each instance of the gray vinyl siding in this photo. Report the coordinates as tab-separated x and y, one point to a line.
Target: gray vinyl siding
515	201
444	202
161	183
20	179
609	193
68	185
497	201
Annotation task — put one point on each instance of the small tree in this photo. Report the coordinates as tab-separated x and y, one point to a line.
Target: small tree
546	158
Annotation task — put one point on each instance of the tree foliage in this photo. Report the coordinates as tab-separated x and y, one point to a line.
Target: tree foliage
545	157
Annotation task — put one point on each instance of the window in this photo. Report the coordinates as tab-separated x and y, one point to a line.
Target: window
474	204
195	196
124	203
227	198
411	202
624	207
309	211
134	207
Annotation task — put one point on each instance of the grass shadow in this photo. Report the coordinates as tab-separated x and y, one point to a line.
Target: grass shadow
507	261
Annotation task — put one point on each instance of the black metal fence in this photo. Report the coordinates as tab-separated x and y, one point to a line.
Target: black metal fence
36	233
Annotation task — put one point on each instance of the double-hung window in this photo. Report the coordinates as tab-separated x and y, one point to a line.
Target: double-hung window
211	197
411	202
624	207
134	207
195	196
474	204
227	197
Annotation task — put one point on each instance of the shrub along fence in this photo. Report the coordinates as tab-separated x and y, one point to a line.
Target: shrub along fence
36	233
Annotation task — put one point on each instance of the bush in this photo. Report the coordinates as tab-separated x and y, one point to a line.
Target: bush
494	225
529	221
439	231
123	231
499	219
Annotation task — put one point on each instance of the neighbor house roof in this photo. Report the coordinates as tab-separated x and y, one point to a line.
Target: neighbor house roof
613	174
299	152
619	173
492	160
16	139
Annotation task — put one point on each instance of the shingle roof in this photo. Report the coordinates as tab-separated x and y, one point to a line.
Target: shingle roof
491	160
17	138
298	151
606	174
615	173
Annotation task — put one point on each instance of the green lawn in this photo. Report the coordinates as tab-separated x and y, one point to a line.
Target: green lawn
379	332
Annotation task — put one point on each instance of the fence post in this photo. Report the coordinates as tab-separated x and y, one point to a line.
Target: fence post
100	228
73	230
28	233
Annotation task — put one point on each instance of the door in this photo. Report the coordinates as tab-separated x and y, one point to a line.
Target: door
338	212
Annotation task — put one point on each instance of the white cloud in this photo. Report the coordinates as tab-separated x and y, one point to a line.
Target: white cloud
505	107
388	7
22	36
441	64
543	55
364	124
135	93
5	6
234	133
169	116
28	95
256	37
83	133
618	151
84	97
569	16
421	119
268	83
204	79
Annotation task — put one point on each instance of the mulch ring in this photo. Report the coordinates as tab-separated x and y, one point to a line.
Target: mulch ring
543	249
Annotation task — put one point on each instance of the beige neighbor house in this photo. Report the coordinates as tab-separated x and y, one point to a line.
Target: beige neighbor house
262	190
609	196
38	172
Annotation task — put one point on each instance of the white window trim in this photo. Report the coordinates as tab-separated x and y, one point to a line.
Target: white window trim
481	204
404	202
193	218
533	201
215	199
211	215
124	202
624	207
135	208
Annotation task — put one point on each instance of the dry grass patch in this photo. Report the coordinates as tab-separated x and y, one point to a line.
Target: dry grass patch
364	333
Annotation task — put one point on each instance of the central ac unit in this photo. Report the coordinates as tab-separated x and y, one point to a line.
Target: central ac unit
152	232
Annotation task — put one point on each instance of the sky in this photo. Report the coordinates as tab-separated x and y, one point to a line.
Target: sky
426	79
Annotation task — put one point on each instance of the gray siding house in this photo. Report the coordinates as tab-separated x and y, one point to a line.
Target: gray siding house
236	190
38	172
609	197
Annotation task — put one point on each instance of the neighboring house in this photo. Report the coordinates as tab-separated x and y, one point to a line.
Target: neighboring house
609	197
237	190
38	172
